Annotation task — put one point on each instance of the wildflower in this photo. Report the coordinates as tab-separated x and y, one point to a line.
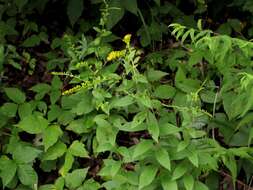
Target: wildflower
72	90
115	55
127	39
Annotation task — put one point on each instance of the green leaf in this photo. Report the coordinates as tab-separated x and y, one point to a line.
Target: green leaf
200	186
155	75
110	169
165	92
32	41
188	182
33	124
179	171
74	10
230	163
20	4
55	151
51	135
163	158
168	184
194	158
15	95
115	13
75	178
122	102
142	147
9	109
7	170
24	110
131	6
77	149
27	175
25	154
69	160
148	174
153	127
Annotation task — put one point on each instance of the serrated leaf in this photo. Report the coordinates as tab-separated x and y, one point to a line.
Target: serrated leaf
165	92
188	182
69	160
179	171
142	147
55	151
74	10
153	127
77	149
25	154
15	95
163	158
50	135
110	169
7	170
27	175
148	174
75	178
33	124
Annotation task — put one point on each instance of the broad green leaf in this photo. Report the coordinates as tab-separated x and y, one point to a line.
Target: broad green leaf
110	169
27	175
148	174
131	6
9	109
59	183
169	184
25	154
163	158
179	171
32	41
142	147
47	187
122	102
15	95
188	182
69	160
155	75
230	163
84	106
55	151
74	10
165	92
20	4
194	158
200	186
51	135
115	13
41	89
75	178
24	110
7	170
78	149
33	124
153	127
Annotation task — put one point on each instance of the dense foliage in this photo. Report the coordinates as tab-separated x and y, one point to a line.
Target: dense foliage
131	94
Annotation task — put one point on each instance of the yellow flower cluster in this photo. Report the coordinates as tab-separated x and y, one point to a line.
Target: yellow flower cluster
115	55
75	88
127	39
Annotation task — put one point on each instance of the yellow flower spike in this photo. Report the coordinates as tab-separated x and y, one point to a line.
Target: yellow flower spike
115	55
127	39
